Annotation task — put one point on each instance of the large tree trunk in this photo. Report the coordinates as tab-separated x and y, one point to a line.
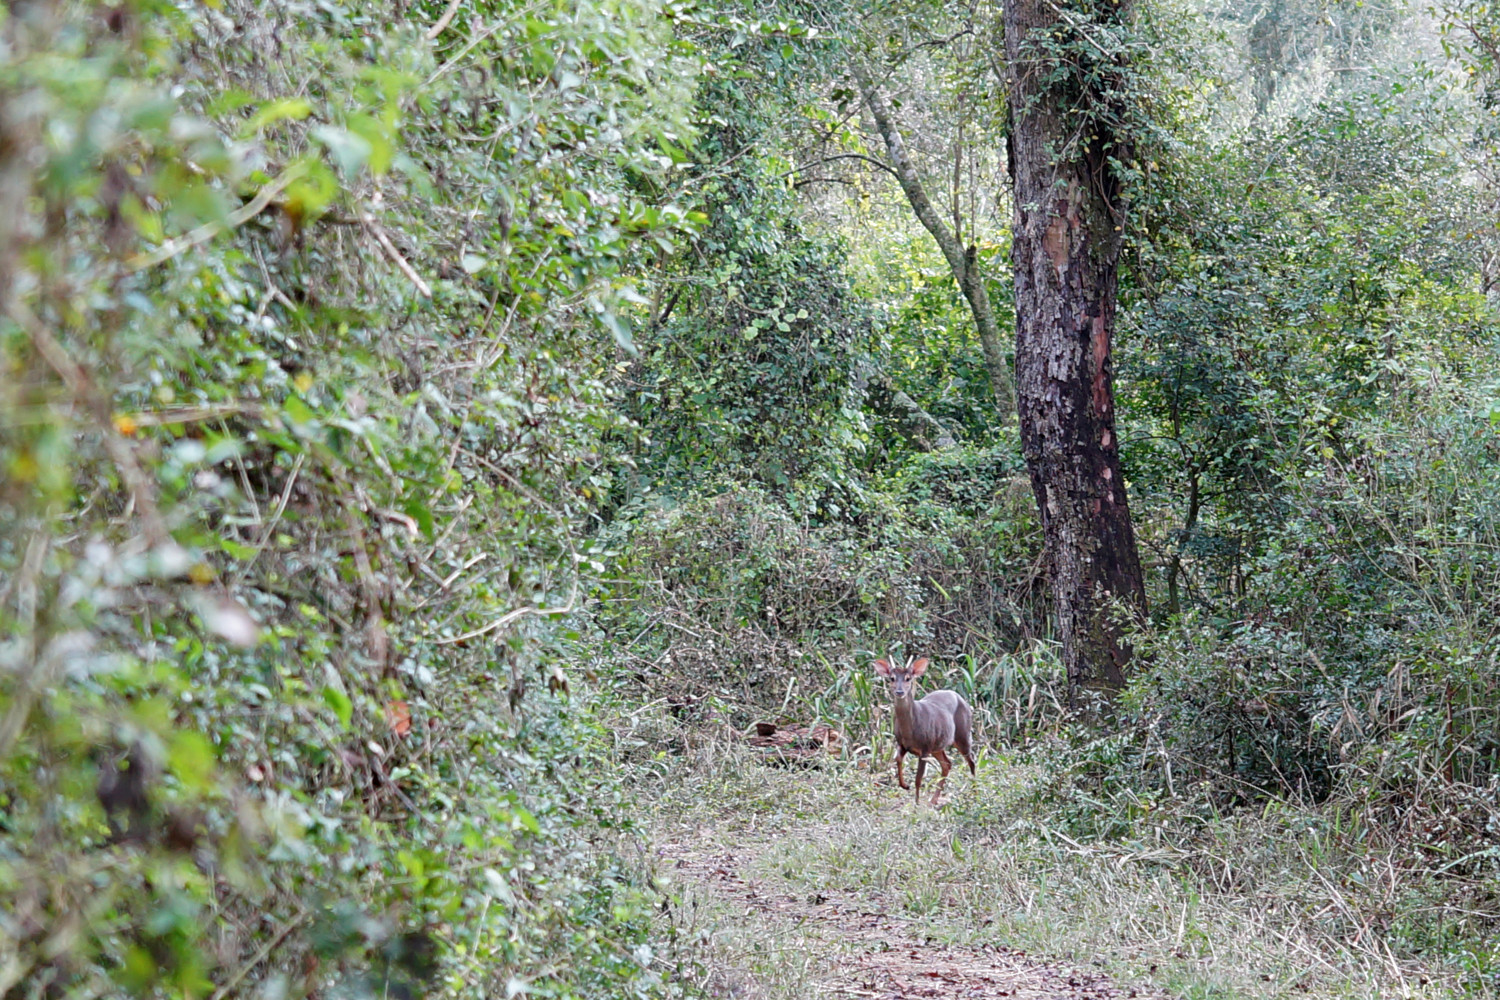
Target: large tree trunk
963	263
1068	222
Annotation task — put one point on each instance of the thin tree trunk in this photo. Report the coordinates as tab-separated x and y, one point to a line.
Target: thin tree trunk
1066	245
1174	565
962	262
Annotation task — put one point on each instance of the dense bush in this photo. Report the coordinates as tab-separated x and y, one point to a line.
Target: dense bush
308	320
729	592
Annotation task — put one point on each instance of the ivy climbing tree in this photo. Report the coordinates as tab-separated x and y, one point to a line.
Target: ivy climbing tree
1069	134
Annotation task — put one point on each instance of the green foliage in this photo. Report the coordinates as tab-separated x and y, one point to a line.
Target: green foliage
1119	89
936	558
748	361
1266	330
926	332
766	594
1312	360
1307	366
309	323
376	407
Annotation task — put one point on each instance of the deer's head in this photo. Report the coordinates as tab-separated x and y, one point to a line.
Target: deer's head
901	677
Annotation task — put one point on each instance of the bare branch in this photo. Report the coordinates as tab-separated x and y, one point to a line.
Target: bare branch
843	156
444	21
395	255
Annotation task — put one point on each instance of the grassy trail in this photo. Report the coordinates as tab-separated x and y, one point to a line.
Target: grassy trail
781	938
786	882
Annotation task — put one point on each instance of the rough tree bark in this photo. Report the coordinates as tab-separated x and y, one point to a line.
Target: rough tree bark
962	261
1069	216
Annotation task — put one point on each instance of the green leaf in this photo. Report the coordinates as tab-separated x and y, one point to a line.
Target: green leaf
412	863
620	328
138	970
351	152
342	706
310	194
526	821
228	101
191	757
378	136
236	550
297	411
418	512
282	109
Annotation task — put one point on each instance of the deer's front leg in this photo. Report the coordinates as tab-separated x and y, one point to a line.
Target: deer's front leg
900	778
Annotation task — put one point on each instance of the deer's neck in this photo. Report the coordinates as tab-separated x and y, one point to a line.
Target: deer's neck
906	720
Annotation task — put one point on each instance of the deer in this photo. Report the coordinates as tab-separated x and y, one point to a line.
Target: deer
927	727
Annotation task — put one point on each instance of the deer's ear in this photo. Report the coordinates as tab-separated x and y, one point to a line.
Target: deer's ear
882	668
919	668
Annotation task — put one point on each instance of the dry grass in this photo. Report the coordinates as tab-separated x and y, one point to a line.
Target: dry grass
1257	910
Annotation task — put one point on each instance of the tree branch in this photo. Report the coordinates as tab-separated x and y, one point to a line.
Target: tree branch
821	180
962	263
442	22
842	156
209	230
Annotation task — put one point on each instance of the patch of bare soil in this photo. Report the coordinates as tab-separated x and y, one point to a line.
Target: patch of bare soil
867	951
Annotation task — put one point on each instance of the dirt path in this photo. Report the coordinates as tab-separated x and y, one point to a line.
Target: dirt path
859	948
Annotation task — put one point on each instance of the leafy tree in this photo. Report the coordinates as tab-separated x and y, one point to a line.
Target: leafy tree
963	260
753	353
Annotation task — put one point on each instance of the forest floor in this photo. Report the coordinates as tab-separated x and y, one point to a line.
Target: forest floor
822	879
841	942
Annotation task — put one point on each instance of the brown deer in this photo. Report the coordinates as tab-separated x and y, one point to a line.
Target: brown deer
930	726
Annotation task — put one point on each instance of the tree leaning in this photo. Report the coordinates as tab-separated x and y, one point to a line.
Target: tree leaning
1067	134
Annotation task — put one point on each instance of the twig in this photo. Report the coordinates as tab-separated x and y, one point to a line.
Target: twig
842	156
481	36
518	613
142	491
259	957
1067	18
447	581
30	687
192	414
443	22
507	618
390	248
269	526
273	293
209	230
405	520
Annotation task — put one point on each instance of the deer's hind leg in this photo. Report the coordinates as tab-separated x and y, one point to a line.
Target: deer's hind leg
946	765
963	731
921	767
